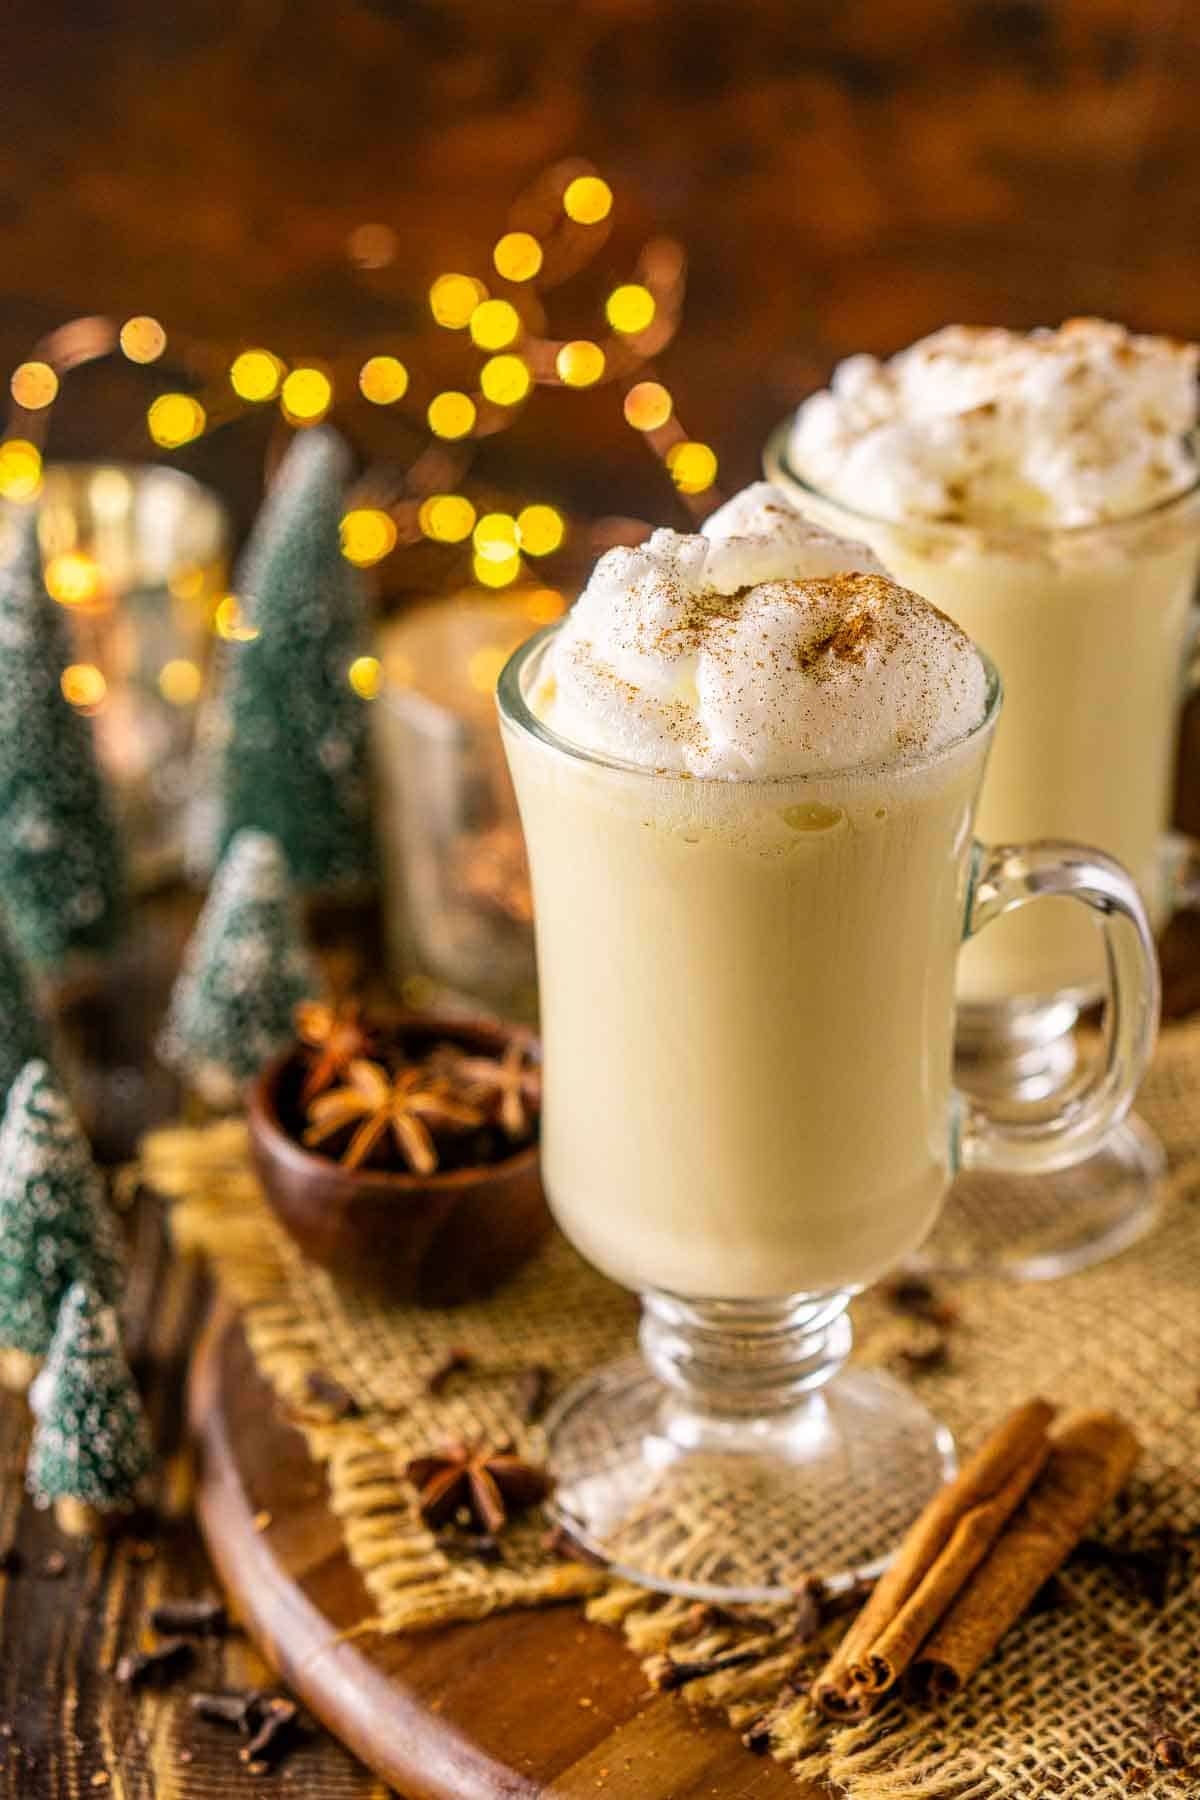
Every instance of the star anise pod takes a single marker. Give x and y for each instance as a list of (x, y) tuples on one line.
[(406, 1105), (334, 1037), (488, 1485), (509, 1084)]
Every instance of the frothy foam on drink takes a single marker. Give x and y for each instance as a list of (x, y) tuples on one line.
[(766, 647), (1073, 426)]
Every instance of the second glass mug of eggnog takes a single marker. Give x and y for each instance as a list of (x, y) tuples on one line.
[(1089, 625), (747, 1000)]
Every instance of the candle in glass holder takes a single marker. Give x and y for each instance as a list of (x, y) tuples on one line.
[(137, 555), (456, 882)]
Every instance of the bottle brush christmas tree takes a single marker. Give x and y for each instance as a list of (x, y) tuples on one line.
[(295, 755), (55, 1224), (22, 1033), (91, 1445), (60, 866), (244, 971)]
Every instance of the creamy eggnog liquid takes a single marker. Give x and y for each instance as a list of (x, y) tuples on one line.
[(1091, 655), (747, 976), (1024, 484)]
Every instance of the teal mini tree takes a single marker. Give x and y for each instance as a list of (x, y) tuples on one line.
[(22, 1033), (91, 1445), (244, 971), (60, 866), (295, 755), (55, 1224)]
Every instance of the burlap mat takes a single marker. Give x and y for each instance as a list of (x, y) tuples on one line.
[(1061, 1707)]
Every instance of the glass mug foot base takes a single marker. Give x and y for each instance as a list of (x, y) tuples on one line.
[(1038, 1227), (731, 1509)]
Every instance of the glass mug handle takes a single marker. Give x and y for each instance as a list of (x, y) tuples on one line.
[(1007, 876), (1179, 862)]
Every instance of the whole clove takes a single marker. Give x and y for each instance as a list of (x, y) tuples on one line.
[(222, 1709), (275, 1736), (709, 1615), (534, 1392), (157, 1667), (190, 1618), (913, 1295), (456, 1361), (669, 1676), (328, 1393), (757, 1735), (1146, 1570), (1167, 1748)]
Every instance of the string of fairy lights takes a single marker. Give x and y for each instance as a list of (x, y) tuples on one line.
[(559, 225)]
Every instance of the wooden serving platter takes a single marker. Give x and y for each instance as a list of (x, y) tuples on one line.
[(525, 1704)]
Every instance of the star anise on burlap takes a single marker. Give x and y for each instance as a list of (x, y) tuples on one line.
[(334, 1037), (487, 1485), (509, 1084), (410, 1106)]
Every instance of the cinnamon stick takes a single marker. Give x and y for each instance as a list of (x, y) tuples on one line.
[(1088, 1464), (948, 1541)]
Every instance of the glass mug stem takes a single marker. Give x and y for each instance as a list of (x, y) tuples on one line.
[(1007, 877)]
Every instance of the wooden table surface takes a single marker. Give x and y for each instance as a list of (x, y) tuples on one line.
[(68, 1731)]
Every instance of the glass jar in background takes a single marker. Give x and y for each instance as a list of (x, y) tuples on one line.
[(457, 907), (137, 555)]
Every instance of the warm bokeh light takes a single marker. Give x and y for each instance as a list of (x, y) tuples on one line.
[(518, 256), (484, 666), (72, 578), (229, 624), (364, 675), (447, 518), (186, 581), (451, 415), (372, 246), (20, 469), (143, 339), (255, 375), (367, 535), (83, 685), (587, 200), (175, 419), (630, 308), (491, 573), (494, 324), (33, 385), (383, 379), (505, 379), (648, 405), (110, 492), (544, 605), (540, 529), (307, 396), (180, 681), (453, 298), (496, 537), (580, 363), (693, 466)]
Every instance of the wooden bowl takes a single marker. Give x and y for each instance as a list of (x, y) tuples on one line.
[(431, 1239)]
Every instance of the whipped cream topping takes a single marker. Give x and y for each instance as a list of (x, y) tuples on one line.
[(784, 651), (975, 425)]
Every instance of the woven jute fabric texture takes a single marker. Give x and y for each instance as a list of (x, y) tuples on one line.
[(1061, 1706)]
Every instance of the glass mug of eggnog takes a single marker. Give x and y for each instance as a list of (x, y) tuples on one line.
[(1042, 489), (747, 773)]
